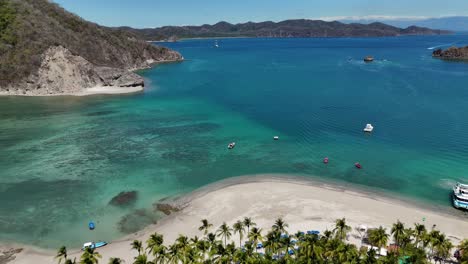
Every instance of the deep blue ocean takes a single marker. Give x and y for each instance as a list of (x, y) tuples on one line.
[(63, 158)]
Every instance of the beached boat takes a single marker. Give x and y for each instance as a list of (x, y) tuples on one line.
[(368, 128), (368, 59), (231, 145), (93, 245), (460, 196)]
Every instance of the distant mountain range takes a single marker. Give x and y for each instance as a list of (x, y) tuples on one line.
[(287, 28), (455, 23)]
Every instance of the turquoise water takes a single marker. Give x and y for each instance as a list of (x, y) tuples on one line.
[(63, 158)]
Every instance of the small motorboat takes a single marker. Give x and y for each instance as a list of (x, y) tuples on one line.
[(216, 45), (91, 225), (276, 138), (93, 245), (357, 165), (368, 59), (368, 128), (231, 145), (325, 160)]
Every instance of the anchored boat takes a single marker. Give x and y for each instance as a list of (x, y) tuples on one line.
[(231, 145), (460, 196), (368, 128), (93, 245)]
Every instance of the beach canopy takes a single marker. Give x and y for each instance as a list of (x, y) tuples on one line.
[(313, 232)]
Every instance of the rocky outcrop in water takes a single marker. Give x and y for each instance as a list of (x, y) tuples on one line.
[(124, 199), (452, 53), (136, 221), (167, 208)]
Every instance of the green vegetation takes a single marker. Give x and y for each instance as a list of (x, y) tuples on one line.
[(303, 28), (29, 27), (7, 23), (277, 246)]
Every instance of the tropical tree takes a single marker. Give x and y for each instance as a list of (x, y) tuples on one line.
[(255, 236), (116, 261), (156, 247), (90, 256), (419, 232), (378, 237), (310, 250), (224, 231), (142, 259), (61, 254), (280, 226), (463, 247), (137, 245), (239, 228), (397, 231), (69, 261), (205, 226), (341, 229), (248, 223)]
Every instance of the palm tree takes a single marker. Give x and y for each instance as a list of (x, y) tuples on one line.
[(310, 250), (69, 261), (378, 237), (142, 259), (137, 245), (239, 228), (90, 256), (341, 229), (419, 231), (205, 226), (116, 261), (61, 254), (463, 247), (255, 236), (397, 231), (156, 247), (280, 226), (174, 255), (224, 231), (248, 223)]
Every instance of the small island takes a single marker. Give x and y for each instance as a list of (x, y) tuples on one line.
[(452, 53)]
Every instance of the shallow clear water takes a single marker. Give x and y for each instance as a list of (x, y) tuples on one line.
[(63, 158)]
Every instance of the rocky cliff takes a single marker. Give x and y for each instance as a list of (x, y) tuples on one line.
[(45, 50), (452, 53)]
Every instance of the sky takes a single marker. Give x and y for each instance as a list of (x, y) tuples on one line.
[(156, 13)]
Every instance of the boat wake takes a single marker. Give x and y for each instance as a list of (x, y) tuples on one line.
[(440, 46)]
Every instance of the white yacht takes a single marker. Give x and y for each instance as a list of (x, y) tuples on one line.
[(460, 196), (368, 128)]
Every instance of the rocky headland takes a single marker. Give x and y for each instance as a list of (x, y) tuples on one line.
[(452, 53), (45, 50)]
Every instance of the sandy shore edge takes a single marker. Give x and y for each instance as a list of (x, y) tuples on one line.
[(305, 204)]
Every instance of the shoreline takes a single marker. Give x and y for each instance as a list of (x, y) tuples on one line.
[(101, 89), (304, 203)]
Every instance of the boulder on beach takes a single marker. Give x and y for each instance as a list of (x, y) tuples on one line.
[(124, 198)]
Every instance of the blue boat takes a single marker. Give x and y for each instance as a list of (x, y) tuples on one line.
[(91, 225), (93, 245)]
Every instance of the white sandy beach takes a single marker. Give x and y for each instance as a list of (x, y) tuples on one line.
[(304, 205), (109, 90)]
